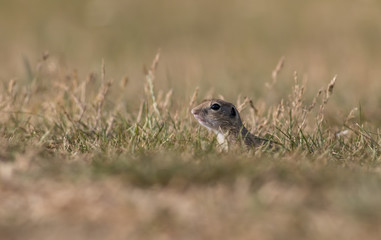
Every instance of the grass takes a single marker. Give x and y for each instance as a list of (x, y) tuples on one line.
[(112, 152), (81, 156)]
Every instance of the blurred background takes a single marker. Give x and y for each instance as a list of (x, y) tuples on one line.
[(231, 47)]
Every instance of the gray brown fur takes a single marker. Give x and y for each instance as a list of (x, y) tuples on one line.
[(226, 121)]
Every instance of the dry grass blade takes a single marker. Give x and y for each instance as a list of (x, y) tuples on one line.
[(103, 72), (100, 99), (150, 77), (247, 102), (351, 115), (155, 61), (193, 99), (241, 106), (167, 100), (275, 72), (328, 94), (330, 87)]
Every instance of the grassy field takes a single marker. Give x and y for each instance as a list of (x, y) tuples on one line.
[(97, 140)]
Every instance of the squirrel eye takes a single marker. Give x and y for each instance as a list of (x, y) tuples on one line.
[(215, 107)]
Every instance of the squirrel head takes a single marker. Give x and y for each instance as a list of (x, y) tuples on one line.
[(217, 115)]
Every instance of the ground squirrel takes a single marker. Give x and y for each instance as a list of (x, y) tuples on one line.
[(223, 118)]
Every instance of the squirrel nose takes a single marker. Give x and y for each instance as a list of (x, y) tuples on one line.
[(194, 111)]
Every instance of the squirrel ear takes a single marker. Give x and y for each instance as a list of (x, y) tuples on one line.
[(233, 113)]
